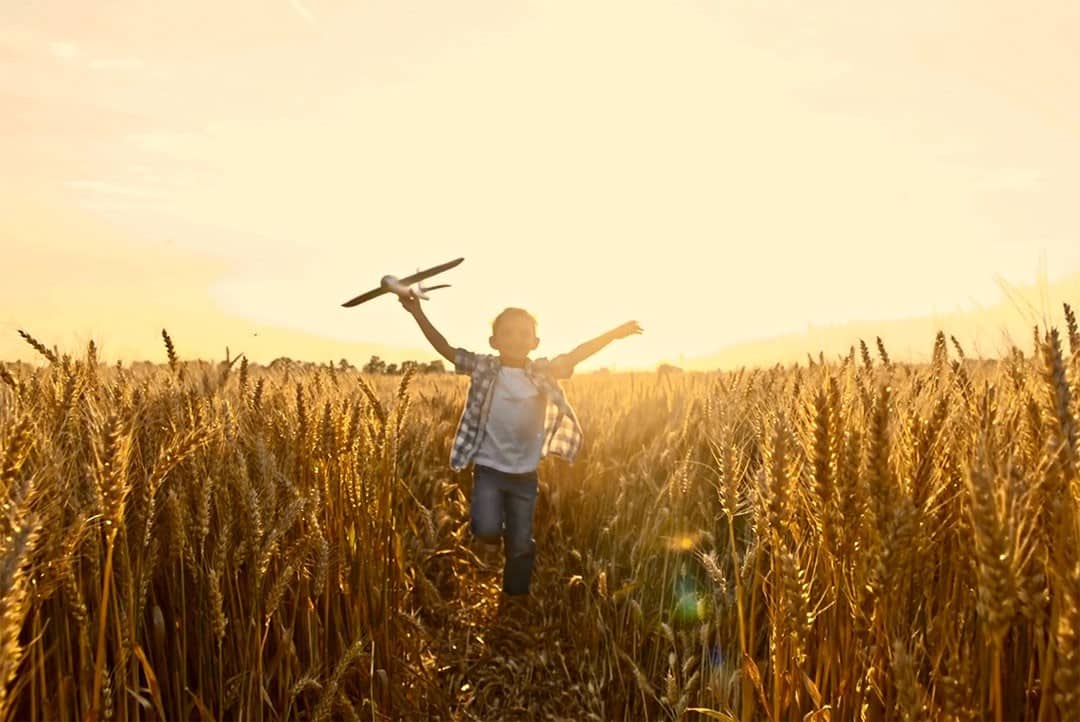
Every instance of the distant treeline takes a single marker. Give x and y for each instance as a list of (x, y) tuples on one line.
[(375, 365)]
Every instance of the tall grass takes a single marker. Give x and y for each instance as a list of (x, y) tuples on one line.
[(857, 539)]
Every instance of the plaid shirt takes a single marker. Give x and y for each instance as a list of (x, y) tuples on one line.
[(562, 433)]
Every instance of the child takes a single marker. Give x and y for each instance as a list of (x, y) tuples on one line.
[(515, 414)]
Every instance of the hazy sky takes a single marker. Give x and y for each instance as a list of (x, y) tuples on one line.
[(718, 170)]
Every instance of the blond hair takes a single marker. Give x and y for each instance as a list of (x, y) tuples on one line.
[(512, 312)]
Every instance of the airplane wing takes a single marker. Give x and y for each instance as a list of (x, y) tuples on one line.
[(420, 276), (365, 297)]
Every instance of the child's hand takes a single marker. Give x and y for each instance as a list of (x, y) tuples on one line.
[(410, 303), (627, 329)]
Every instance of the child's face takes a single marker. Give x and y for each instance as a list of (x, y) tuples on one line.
[(515, 337)]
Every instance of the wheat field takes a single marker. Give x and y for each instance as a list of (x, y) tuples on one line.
[(844, 539)]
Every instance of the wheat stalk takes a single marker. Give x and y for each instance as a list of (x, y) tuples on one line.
[(51, 356)]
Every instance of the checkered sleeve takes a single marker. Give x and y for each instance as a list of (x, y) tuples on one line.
[(464, 361)]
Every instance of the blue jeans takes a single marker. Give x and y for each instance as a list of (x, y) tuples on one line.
[(502, 505)]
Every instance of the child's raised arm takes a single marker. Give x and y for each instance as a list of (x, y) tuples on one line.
[(436, 339), (563, 364)]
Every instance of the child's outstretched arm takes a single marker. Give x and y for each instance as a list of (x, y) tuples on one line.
[(436, 339), (566, 362)]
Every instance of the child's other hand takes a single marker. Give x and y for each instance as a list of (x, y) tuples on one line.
[(627, 329), (410, 303)]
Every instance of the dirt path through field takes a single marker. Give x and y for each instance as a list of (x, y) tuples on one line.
[(505, 658)]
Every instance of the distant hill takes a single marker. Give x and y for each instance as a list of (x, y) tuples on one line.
[(982, 332)]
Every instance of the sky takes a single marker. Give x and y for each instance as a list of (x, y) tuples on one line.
[(720, 170)]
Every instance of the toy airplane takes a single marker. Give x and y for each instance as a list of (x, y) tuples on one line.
[(403, 286)]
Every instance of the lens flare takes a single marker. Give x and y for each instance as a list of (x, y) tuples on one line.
[(690, 604), (684, 542)]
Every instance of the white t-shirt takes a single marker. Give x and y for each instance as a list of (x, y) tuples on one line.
[(514, 433)]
